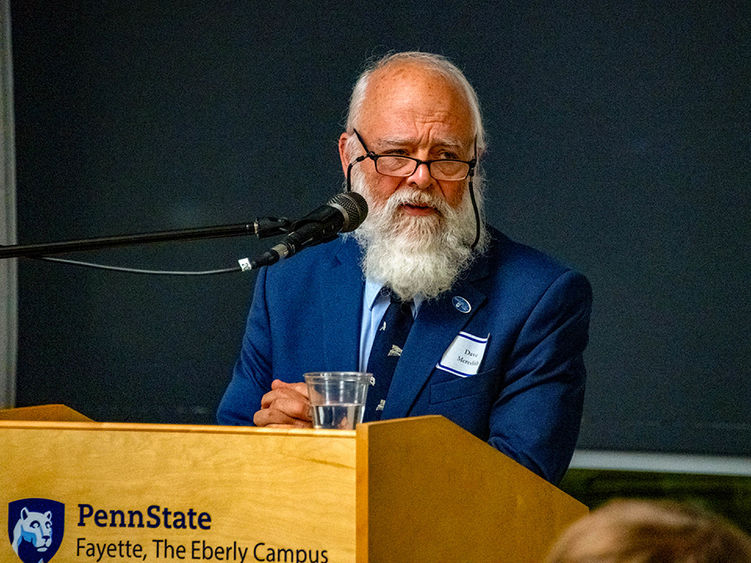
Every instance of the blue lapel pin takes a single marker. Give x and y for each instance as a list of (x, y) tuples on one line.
[(461, 304)]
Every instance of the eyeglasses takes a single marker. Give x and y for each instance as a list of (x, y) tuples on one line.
[(402, 166), (447, 169)]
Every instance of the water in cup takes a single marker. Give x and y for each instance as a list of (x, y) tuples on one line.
[(341, 416)]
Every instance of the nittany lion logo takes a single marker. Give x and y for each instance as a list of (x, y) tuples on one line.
[(35, 527)]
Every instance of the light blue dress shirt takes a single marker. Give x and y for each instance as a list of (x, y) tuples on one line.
[(374, 305)]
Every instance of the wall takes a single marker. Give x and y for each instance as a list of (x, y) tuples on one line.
[(8, 283), (618, 142)]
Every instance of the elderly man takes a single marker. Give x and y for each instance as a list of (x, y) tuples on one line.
[(494, 331)]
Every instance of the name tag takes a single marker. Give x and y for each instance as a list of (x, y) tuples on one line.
[(464, 356)]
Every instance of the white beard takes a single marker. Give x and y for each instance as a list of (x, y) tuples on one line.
[(416, 255)]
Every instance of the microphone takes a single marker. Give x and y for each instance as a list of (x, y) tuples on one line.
[(343, 213)]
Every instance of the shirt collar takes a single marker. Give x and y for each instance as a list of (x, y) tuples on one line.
[(373, 292)]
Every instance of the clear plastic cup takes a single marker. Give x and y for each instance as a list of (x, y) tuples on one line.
[(337, 398)]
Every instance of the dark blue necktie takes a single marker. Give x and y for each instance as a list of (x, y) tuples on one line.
[(385, 353)]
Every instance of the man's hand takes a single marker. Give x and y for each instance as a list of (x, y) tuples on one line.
[(285, 405)]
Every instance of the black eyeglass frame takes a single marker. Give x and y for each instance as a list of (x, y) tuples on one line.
[(375, 156)]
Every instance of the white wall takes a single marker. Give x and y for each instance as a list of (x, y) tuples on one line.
[(8, 286)]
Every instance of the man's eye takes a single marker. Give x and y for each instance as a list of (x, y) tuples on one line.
[(446, 154)]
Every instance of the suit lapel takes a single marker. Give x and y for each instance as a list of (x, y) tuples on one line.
[(340, 291), (437, 324)]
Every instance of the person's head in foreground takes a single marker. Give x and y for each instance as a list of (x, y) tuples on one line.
[(643, 531)]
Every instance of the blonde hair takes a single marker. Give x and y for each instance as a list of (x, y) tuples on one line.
[(642, 531)]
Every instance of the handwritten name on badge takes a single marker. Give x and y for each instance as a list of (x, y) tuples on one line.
[(464, 356)]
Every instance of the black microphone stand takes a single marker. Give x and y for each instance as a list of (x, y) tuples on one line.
[(263, 227)]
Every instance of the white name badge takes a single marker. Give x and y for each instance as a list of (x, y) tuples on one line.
[(464, 356)]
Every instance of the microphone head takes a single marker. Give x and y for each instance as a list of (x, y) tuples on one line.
[(353, 207)]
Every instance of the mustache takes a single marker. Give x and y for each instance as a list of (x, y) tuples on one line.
[(417, 198)]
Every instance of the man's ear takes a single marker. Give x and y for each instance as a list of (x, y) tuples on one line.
[(343, 156)]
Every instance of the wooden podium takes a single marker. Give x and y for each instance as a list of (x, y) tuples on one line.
[(407, 490)]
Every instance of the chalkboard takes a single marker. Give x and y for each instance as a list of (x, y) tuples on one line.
[(619, 142)]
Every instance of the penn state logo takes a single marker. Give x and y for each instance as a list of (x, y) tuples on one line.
[(35, 528)]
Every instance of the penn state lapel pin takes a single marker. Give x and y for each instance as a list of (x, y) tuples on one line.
[(461, 304)]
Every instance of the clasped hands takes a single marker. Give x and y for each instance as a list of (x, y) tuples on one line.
[(286, 405)]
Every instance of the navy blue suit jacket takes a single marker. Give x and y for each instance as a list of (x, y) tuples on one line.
[(526, 399)]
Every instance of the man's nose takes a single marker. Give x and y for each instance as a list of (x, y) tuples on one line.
[(421, 177)]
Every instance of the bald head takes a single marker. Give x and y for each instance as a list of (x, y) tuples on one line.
[(407, 106), (402, 75)]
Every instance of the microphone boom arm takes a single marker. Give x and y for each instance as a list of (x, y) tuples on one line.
[(262, 227)]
